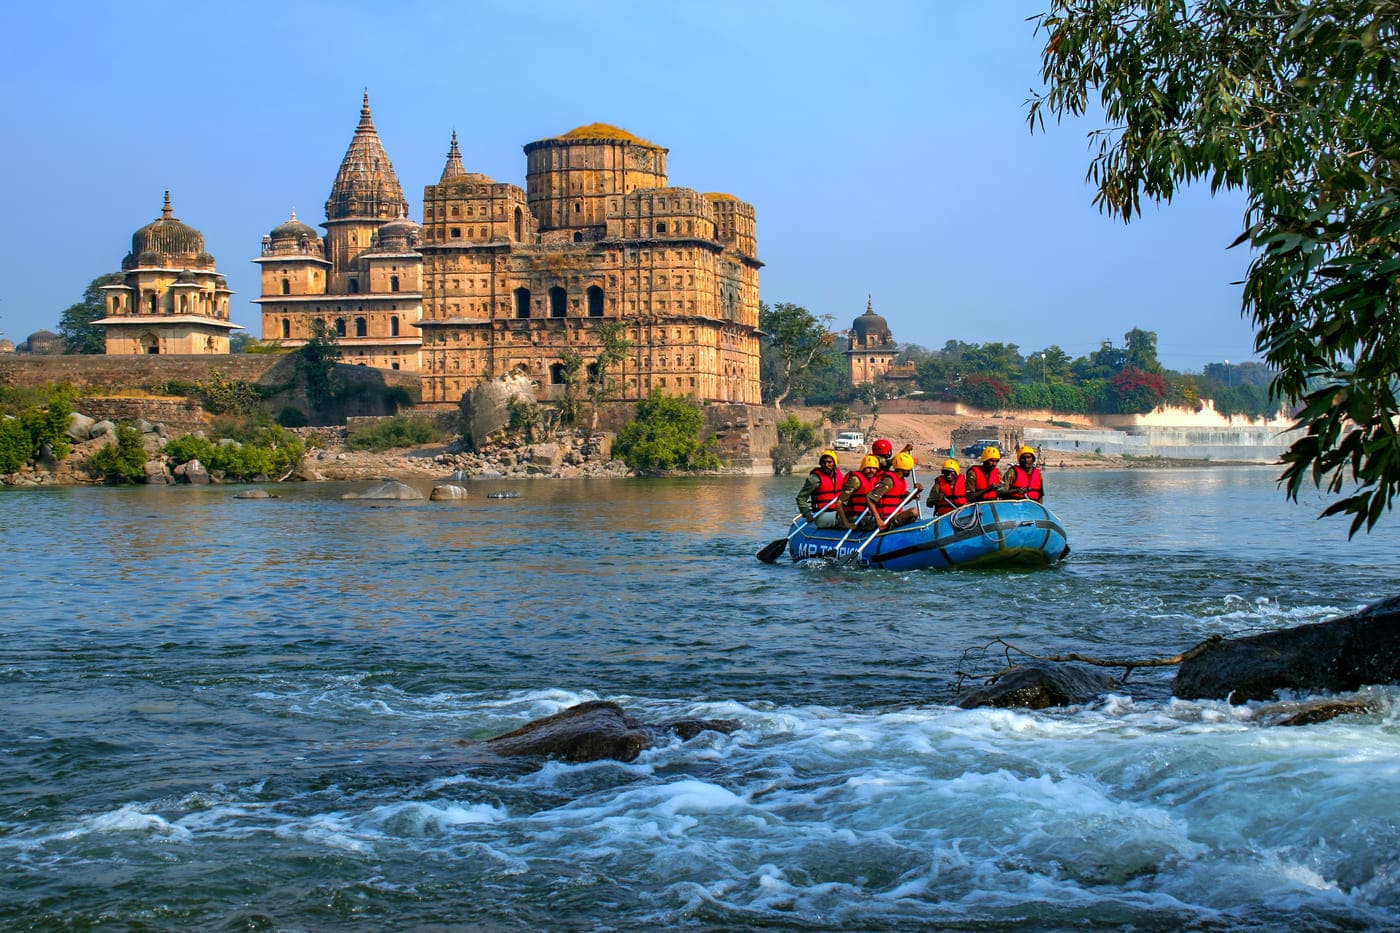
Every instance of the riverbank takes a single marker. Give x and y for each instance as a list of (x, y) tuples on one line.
[(575, 455)]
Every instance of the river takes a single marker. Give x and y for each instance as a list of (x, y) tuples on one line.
[(238, 715)]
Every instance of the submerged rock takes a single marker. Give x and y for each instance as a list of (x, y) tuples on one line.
[(1311, 712), (389, 489), (1041, 684), (447, 492), (255, 494), (1339, 655), (595, 730)]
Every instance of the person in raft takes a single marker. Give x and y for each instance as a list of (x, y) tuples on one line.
[(984, 479), (851, 504), (883, 449), (822, 487), (891, 489), (949, 490), (1023, 481)]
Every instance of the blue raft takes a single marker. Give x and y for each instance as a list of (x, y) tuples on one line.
[(1001, 533)]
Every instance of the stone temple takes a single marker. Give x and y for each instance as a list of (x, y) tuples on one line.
[(171, 298), (500, 279)]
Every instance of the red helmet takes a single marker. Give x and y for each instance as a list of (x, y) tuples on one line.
[(882, 448)]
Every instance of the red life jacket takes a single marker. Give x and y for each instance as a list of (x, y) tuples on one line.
[(982, 486), (829, 489), (889, 502), (954, 494), (1026, 485), (858, 498)]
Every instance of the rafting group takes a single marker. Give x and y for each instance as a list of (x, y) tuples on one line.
[(872, 514)]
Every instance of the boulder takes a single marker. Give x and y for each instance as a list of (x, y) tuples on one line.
[(156, 474), (595, 730), (547, 457), (388, 489), (447, 492), (1339, 656), (79, 427), (1041, 684), (255, 494), (194, 473), (486, 407), (102, 428)]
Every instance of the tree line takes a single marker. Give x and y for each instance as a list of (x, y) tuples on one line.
[(801, 358)]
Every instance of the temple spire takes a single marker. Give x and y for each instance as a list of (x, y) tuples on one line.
[(165, 213), (454, 161), (869, 304), (366, 186)]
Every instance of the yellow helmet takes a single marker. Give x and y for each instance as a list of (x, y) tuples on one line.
[(903, 460), (991, 453), (870, 460), (831, 454), (1025, 449), (951, 464)]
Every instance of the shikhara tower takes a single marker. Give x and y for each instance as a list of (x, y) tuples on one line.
[(362, 279)]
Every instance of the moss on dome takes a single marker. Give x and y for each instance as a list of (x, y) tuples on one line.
[(719, 196), (606, 131)]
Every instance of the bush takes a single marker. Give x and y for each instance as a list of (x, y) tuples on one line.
[(398, 431), (292, 417), (121, 462), (220, 395), (271, 451), (665, 436), (42, 418), (16, 446)]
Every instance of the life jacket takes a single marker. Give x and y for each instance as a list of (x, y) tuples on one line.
[(889, 502), (1026, 485), (954, 494), (862, 490), (829, 489), (982, 486)]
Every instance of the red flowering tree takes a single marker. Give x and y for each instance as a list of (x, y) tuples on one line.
[(1134, 392)]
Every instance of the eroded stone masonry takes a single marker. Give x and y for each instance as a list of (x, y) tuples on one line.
[(500, 279)]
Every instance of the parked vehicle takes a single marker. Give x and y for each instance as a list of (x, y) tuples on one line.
[(849, 440), (976, 447)]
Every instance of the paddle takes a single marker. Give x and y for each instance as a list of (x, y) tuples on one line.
[(842, 561), (774, 549), (836, 550)]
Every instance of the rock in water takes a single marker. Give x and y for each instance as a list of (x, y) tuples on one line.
[(595, 730), (255, 494), (1339, 655), (1039, 685), (389, 489), (447, 492)]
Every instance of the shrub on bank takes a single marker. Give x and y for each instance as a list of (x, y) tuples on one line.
[(665, 436), (398, 431), (121, 462), (271, 452)]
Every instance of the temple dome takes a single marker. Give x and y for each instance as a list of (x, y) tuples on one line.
[(292, 229), (167, 242), (870, 327)]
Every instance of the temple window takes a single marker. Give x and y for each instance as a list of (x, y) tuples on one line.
[(522, 302), (558, 302), (340, 327), (393, 327), (286, 286), (595, 301), (286, 328), (354, 286), (360, 327), (393, 283)]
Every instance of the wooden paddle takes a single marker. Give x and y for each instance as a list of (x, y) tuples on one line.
[(774, 549), (842, 561)]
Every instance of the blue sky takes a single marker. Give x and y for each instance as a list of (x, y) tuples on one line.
[(883, 145)]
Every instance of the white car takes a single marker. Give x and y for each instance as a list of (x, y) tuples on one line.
[(849, 440)]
